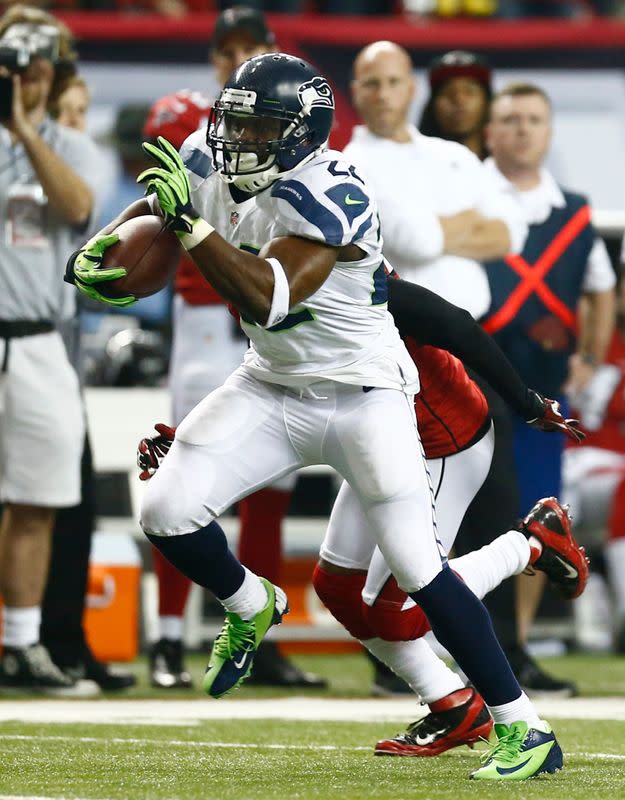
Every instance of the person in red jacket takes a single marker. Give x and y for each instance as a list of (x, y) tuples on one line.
[(200, 316)]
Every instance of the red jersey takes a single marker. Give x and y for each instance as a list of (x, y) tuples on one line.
[(611, 434), (176, 117), (451, 409)]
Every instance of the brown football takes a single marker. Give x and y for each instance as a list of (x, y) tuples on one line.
[(150, 253)]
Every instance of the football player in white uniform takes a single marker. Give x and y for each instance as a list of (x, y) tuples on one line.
[(326, 379)]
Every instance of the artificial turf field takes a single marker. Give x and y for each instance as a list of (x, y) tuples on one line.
[(168, 753)]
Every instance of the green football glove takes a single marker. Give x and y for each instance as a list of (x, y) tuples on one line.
[(84, 271), (170, 182)]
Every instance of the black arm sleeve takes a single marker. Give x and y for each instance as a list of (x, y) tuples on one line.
[(430, 320)]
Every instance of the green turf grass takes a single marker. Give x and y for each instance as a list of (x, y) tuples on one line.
[(100, 761), (350, 676)]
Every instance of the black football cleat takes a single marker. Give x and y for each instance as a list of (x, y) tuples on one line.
[(167, 669), (534, 681), (271, 668), (459, 718), (31, 670)]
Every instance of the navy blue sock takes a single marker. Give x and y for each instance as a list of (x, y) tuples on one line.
[(204, 557), (462, 625)]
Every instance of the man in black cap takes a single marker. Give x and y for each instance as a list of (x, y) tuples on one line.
[(460, 84), (240, 33)]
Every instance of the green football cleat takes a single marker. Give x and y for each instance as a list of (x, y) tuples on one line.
[(234, 649), (519, 753)]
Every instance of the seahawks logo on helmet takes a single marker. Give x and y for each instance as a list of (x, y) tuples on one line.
[(315, 93)]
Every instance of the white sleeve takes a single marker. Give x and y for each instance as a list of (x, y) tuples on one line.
[(497, 200), (599, 275), (623, 250)]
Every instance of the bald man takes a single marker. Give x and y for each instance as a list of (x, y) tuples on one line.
[(442, 213)]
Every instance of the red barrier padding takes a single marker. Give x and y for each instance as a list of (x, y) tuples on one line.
[(357, 31)]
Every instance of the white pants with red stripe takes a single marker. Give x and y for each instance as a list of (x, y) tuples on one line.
[(455, 480), (248, 433)]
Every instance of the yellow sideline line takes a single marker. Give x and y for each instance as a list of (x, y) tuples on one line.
[(251, 746)]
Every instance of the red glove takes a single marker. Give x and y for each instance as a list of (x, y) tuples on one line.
[(153, 449), (552, 420)]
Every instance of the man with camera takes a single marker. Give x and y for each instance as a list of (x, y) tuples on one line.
[(47, 190)]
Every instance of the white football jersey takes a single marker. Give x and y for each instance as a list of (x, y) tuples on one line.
[(342, 332)]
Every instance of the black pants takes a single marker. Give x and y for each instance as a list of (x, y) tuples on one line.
[(64, 600), (493, 512)]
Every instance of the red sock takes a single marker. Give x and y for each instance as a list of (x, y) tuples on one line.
[(388, 619), (260, 537), (173, 587), (342, 596)]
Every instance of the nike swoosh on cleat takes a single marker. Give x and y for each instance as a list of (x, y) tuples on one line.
[(509, 770), (423, 740), (351, 202), (571, 572), (240, 664)]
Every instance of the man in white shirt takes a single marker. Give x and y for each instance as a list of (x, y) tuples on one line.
[(441, 211), (535, 296)]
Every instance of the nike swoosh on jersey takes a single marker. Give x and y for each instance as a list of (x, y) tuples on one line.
[(351, 202), (509, 770), (571, 572)]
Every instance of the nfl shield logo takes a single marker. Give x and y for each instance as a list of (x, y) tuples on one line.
[(234, 218)]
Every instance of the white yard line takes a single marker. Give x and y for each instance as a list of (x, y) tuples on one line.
[(122, 740), (190, 712)]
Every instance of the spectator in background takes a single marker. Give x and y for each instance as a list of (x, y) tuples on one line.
[(593, 475), (538, 326), (48, 197), (62, 630), (207, 347), (441, 211), (496, 506), (70, 103), (460, 94)]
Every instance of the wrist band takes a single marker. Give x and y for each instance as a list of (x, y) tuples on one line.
[(200, 230), (281, 294)]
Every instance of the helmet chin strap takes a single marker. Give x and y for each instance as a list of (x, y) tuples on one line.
[(260, 180)]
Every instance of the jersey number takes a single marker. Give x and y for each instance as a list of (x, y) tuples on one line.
[(333, 170)]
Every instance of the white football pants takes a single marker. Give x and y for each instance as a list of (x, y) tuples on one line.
[(248, 433), (456, 480), (206, 349)]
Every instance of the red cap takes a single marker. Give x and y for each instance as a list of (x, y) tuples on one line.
[(177, 116)]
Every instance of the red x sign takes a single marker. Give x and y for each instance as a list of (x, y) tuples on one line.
[(532, 277)]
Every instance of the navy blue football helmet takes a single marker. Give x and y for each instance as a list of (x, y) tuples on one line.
[(274, 113)]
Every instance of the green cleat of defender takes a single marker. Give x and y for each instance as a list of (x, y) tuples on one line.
[(519, 753), (234, 649)]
